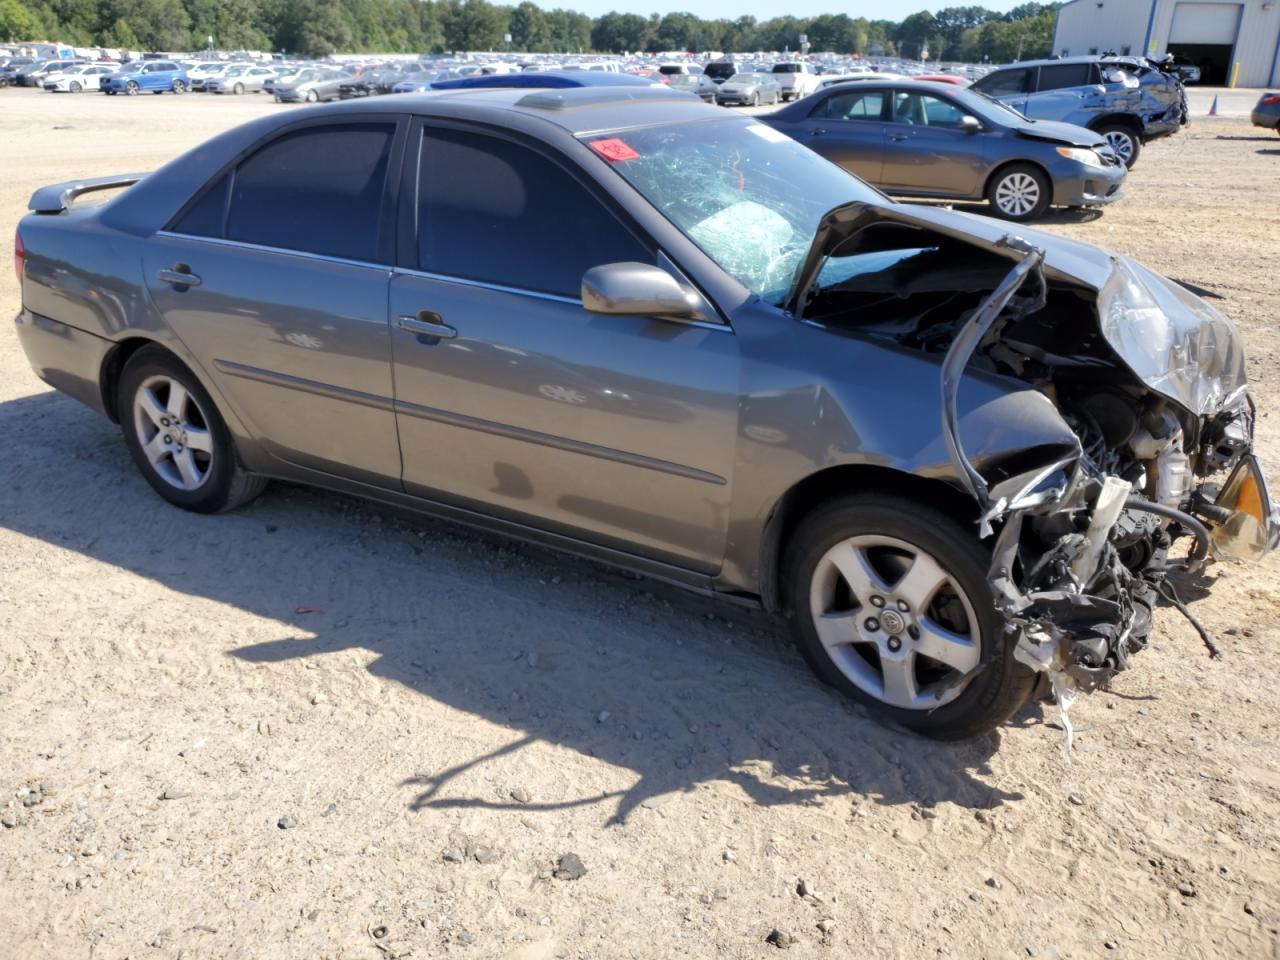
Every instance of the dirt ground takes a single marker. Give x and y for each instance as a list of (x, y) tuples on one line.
[(317, 728)]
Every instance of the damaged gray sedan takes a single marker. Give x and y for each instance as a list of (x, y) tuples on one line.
[(956, 459)]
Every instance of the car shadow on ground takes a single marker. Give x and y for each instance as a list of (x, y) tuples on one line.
[(1270, 153), (680, 690)]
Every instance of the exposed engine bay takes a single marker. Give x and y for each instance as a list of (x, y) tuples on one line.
[(1083, 540)]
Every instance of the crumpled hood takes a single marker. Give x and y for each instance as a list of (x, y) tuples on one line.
[(1056, 132), (1064, 259)]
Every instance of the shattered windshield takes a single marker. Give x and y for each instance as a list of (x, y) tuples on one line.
[(750, 197)]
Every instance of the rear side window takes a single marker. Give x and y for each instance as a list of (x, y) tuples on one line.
[(317, 190), (860, 105), (1059, 76), (786, 68), (1004, 83), (206, 218), (495, 211)]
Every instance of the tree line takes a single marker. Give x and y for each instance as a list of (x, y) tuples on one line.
[(318, 28)]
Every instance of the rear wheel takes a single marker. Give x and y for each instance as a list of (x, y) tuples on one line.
[(177, 437), (889, 602), (1020, 192), (179, 87), (1123, 142)]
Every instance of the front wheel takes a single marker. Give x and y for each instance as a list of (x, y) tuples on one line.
[(131, 88), (1123, 142), (1020, 192), (889, 602), (177, 437), (238, 89), (312, 96)]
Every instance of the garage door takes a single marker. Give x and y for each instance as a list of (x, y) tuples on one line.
[(1205, 23)]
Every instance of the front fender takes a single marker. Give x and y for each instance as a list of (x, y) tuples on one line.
[(817, 397)]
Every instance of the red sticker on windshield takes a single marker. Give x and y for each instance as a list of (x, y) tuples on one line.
[(613, 150)]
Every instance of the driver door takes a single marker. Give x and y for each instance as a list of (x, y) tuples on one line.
[(511, 398)]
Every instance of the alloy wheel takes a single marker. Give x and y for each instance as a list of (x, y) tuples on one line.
[(894, 621), (131, 88), (1017, 194), (173, 432), (1121, 145)]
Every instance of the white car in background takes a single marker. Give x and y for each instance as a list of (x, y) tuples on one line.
[(75, 79), (796, 77), (206, 72)]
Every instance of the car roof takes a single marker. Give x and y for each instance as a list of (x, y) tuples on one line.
[(577, 110)]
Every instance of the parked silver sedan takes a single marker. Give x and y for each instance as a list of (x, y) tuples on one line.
[(310, 85), (749, 90), (243, 78)]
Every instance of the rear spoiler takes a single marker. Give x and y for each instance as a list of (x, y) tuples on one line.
[(60, 196)]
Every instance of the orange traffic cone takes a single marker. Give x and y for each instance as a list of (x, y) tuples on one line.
[(1213, 110)]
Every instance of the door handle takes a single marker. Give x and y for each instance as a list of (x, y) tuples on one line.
[(427, 324), (180, 276), (898, 137), (819, 131)]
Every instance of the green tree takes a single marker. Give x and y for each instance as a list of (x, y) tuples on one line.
[(473, 25), (620, 33), (528, 28), (17, 22)]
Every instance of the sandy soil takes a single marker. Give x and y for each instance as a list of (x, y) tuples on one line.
[(273, 733)]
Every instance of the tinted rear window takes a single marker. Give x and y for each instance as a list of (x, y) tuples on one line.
[(1004, 83), (1062, 75), (786, 68), (318, 190)]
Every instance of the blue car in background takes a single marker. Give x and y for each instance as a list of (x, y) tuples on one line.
[(154, 75), (421, 82), (1129, 100)]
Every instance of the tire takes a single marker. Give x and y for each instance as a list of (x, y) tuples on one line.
[(890, 534), (312, 96), (179, 87), (1126, 144), (1020, 192), (131, 88), (755, 99), (238, 89), (75, 86), (204, 475)]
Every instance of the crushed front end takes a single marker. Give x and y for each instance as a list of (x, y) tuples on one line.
[(1084, 545)]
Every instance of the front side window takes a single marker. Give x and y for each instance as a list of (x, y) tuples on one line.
[(923, 110), (498, 212), (854, 105), (317, 190)]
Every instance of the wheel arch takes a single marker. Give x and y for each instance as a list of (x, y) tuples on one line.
[(819, 488), (1127, 120), (1017, 162)]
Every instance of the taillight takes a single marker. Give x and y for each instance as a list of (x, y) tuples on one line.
[(1271, 100), (19, 256)]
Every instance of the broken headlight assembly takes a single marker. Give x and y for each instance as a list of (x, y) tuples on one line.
[(1177, 344), (1249, 526)]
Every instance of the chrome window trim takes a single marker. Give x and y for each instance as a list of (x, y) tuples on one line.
[(405, 271), (306, 254)]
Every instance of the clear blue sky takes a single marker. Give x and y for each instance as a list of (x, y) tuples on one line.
[(765, 9)]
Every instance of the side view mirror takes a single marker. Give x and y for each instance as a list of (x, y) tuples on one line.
[(970, 124), (636, 290)]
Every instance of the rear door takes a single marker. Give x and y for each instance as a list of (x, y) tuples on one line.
[(614, 430), (847, 127), (1069, 92), (926, 150), (275, 278)]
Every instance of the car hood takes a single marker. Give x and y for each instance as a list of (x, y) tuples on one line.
[(1056, 132), (1064, 259)]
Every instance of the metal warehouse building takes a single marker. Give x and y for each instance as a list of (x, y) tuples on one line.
[(1232, 42)]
